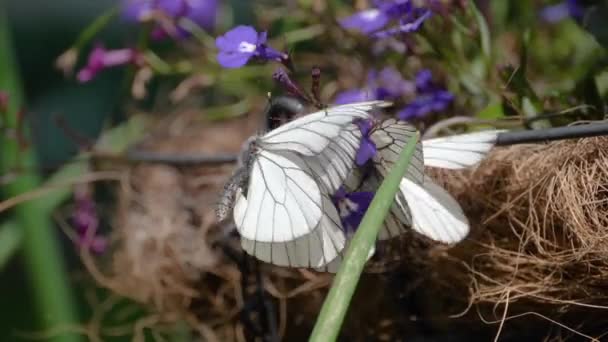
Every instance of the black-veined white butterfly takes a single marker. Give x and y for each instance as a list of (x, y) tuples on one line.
[(420, 204), (284, 209)]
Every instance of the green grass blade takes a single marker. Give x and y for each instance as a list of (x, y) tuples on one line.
[(42, 255), (336, 304), (10, 241)]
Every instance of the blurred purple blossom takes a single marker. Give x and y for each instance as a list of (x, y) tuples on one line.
[(351, 207), (86, 221), (408, 14), (411, 23), (563, 10), (425, 104), (429, 98), (387, 84), (366, 21), (201, 12), (367, 148), (352, 96), (100, 59), (237, 46)]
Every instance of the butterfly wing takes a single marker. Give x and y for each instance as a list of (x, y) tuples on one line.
[(314, 250), (458, 151), (312, 133), (435, 213), (390, 139), (283, 201)]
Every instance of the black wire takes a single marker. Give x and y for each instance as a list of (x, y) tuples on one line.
[(136, 155), (549, 134)]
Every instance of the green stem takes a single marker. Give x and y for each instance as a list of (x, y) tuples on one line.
[(10, 241), (336, 304), (41, 250), (93, 28)]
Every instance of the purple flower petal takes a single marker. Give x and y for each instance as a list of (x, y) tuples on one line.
[(367, 149), (232, 39), (203, 12), (353, 96), (137, 10), (389, 84), (173, 8), (425, 104), (366, 21), (405, 26), (236, 46), (232, 60), (265, 52), (351, 207), (555, 13), (563, 10), (241, 43), (424, 79)]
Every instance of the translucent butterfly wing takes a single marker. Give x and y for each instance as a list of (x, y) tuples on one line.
[(315, 250), (435, 213), (312, 133), (390, 139), (335, 163), (283, 201), (459, 151)]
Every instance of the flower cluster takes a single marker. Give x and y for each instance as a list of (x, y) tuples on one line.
[(100, 59), (242, 43), (168, 13), (430, 98), (407, 15), (563, 10), (388, 84)]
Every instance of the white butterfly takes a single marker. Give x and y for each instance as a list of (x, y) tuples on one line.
[(283, 210), (420, 203)]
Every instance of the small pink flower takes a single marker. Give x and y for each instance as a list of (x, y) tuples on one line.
[(100, 59)]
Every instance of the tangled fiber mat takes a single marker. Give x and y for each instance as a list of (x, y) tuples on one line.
[(538, 248)]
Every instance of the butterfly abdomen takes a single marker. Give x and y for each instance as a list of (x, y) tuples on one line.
[(226, 202)]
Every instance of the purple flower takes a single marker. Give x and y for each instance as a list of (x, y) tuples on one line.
[(237, 46), (366, 21), (406, 13), (424, 80), (167, 13), (388, 84), (367, 148), (353, 96), (411, 23), (351, 207), (563, 10), (429, 98), (100, 59), (86, 221), (425, 104)]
